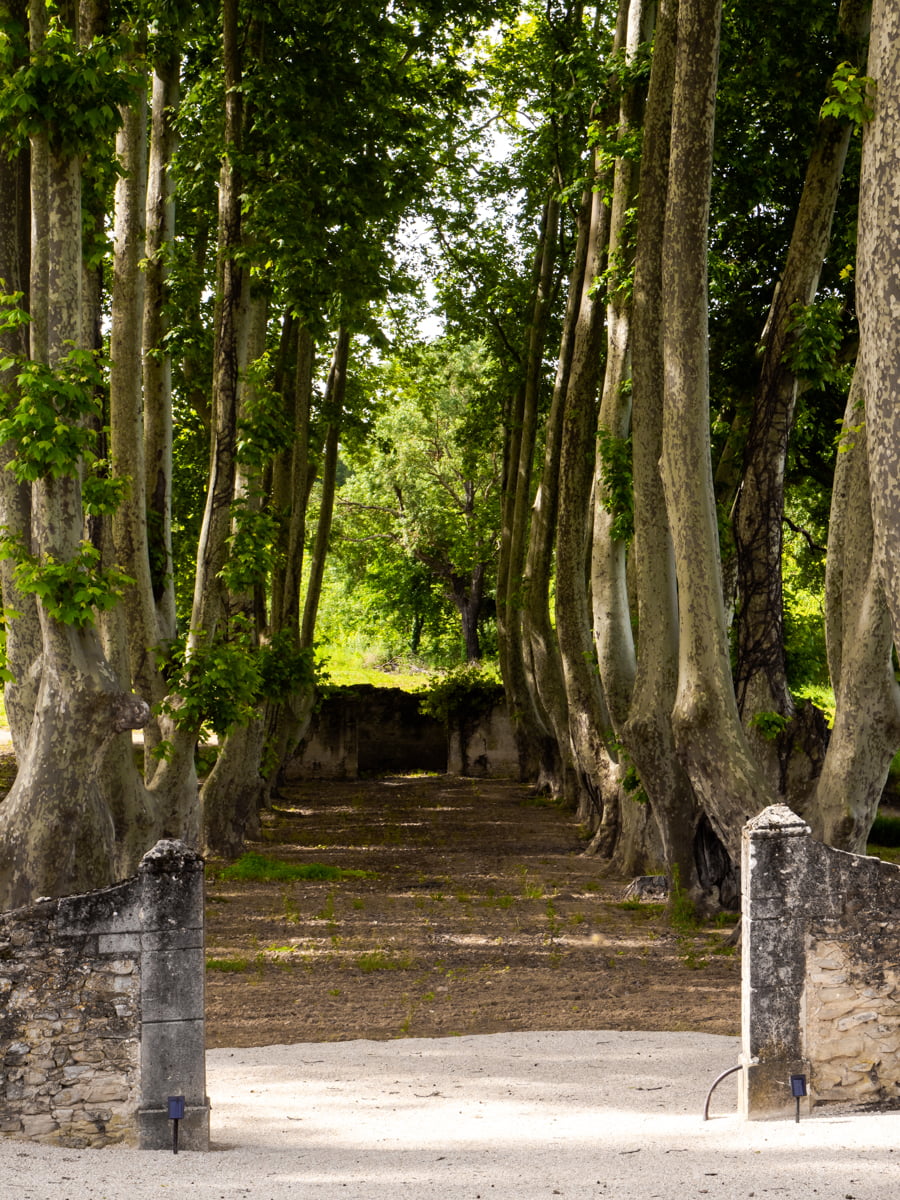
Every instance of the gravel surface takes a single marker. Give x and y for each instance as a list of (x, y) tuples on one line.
[(512, 1116)]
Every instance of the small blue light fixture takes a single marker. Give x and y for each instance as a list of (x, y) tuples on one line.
[(176, 1114), (798, 1090)]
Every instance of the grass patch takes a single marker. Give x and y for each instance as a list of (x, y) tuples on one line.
[(256, 868), (235, 966), (682, 910), (530, 890), (885, 831), (725, 920), (381, 960), (887, 853)]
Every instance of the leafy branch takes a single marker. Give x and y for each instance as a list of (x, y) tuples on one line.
[(69, 591)]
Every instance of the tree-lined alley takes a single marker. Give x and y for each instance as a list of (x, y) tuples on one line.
[(617, 462)]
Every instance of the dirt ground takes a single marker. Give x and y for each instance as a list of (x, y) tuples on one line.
[(478, 915)]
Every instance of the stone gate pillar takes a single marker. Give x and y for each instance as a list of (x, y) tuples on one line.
[(776, 883), (173, 1046)]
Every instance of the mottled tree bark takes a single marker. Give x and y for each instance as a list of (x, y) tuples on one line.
[(647, 733), (80, 704), (210, 599), (538, 751), (335, 394), (761, 676), (866, 730), (878, 286), (708, 736), (590, 727), (157, 366), (23, 639)]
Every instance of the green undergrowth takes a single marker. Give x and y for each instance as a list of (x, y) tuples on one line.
[(257, 868), (382, 960), (885, 831), (887, 853), (230, 966)]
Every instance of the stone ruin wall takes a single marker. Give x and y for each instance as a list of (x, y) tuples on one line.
[(101, 1011), (68, 1030), (821, 970), (363, 729), (853, 1013)]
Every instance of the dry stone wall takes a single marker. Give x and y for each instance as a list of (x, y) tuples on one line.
[(363, 729), (101, 1010), (821, 970)]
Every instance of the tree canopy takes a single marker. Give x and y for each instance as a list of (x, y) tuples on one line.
[(651, 241)]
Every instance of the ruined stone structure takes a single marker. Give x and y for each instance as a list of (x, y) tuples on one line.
[(367, 729), (821, 970), (101, 1011)]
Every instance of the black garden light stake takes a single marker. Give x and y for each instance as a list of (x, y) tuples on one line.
[(798, 1089), (176, 1114)]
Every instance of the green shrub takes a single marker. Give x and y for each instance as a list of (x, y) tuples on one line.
[(463, 694), (256, 868)]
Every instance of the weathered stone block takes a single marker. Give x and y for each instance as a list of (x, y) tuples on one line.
[(172, 984), (75, 1036), (821, 967)]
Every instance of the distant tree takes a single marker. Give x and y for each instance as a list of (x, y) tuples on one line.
[(424, 493)]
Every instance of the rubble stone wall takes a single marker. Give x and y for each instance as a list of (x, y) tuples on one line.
[(101, 1011), (363, 729), (821, 970)]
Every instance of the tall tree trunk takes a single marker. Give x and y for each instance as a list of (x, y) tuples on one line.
[(231, 795), (287, 718), (708, 736), (210, 600), (80, 704), (878, 283), (647, 733), (542, 661), (866, 730), (538, 751), (335, 395), (609, 547), (590, 727), (761, 676), (23, 635), (157, 365)]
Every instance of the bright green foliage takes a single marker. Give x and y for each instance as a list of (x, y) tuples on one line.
[(421, 506), (264, 429), (216, 686), (615, 460), (6, 615), (221, 682), (252, 548), (51, 418), (769, 724), (102, 492), (47, 414), (284, 669), (70, 92), (71, 591), (850, 95), (817, 336), (463, 694)]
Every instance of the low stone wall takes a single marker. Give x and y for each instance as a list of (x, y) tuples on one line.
[(379, 730), (102, 1011), (821, 970), (484, 747)]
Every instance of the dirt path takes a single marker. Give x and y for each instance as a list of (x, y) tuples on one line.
[(480, 916)]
